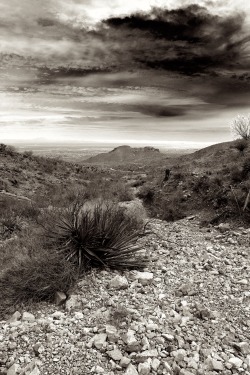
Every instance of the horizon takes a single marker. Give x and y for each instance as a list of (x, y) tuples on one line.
[(174, 73)]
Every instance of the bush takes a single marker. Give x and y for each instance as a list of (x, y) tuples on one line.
[(241, 126), (92, 234), (34, 279), (246, 169), (241, 145)]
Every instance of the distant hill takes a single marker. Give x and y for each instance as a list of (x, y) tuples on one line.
[(123, 154)]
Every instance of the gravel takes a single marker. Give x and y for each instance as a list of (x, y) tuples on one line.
[(188, 313)]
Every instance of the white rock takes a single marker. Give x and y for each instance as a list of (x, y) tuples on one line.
[(15, 317), (115, 354), (155, 364), (112, 333), (144, 278), (60, 297), (28, 317), (144, 368), (236, 362), (130, 339), (13, 370), (131, 370), (79, 315), (71, 303), (35, 371), (168, 337), (118, 282), (125, 361), (100, 340)]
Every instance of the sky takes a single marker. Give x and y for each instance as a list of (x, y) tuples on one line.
[(170, 72)]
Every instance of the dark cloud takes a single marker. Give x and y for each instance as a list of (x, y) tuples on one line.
[(189, 40)]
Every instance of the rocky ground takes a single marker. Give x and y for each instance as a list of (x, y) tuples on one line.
[(188, 313)]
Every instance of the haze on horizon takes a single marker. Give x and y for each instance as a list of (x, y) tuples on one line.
[(171, 73)]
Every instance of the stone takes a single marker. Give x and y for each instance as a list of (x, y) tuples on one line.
[(145, 278), (243, 347), (35, 371), (131, 370), (112, 333), (143, 356), (214, 365), (168, 337), (71, 303), (28, 317), (224, 227), (179, 355), (15, 317), (130, 340), (100, 340), (60, 298), (13, 370), (125, 361), (155, 364), (115, 354), (235, 362), (79, 315), (99, 370), (144, 368), (118, 282)]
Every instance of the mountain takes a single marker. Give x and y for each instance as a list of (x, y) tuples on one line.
[(123, 154)]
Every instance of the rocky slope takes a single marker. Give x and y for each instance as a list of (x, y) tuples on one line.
[(188, 313)]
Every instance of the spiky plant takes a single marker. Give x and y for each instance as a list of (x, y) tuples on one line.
[(95, 234)]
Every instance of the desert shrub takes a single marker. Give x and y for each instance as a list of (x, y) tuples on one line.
[(241, 126), (241, 145), (7, 150), (236, 174), (34, 279), (92, 234), (246, 169), (201, 184), (147, 193), (27, 154)]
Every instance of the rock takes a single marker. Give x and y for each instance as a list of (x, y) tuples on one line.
[(118, 282), (145, 278), (179, 355), (15, 317), (125, 361), (155, 364), (79, 315), (243, 347), (168, 337), (72, 302), (143, 356), (28, 317), (235, 362), (115, 354), (13, 370), (60, 297), (112, 333), (131, 370), (186, 289), (100, 340), (99, 370), (223, 227), (35, 371), (214, 365), (130, 339), (144, 368)]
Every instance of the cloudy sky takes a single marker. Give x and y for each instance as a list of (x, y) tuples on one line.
[(155, 72)]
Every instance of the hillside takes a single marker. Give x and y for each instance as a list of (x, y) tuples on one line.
[(127, 154)]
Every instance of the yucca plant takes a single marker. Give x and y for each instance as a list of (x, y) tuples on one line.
[(95, 234)]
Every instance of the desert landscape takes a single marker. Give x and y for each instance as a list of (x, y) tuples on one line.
[(109, 267), (124, 187)]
